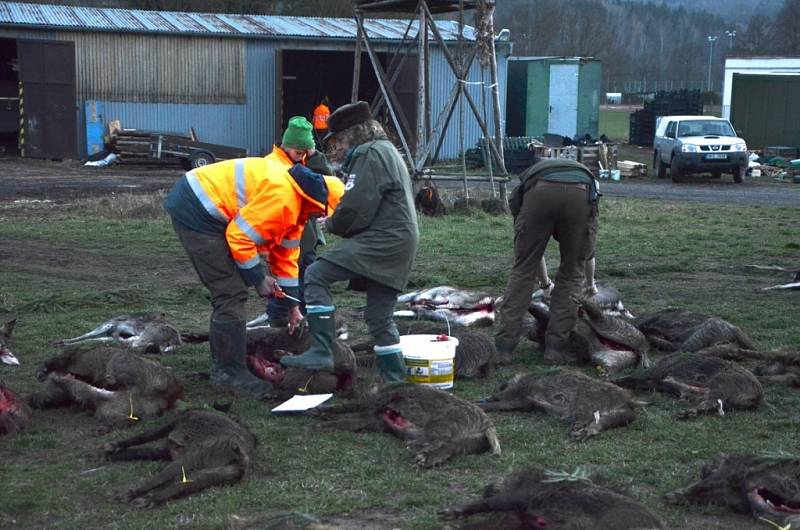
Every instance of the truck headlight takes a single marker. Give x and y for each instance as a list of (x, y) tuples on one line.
[(740, 147), (690, 148)]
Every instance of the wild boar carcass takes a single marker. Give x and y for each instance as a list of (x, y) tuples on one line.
[(145, 334), (533, 498), (591, 406), (459, 307), (6, 357), (765, 486), (118, 385), (676, 330), (204, 448), (14, 412), (709, 384), (436, 425)]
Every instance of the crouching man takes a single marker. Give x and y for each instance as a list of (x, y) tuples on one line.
[(377, 220)]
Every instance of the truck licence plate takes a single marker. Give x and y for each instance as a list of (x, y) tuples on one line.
[(716, 156)]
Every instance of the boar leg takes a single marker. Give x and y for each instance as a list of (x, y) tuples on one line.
[(197, 481), (707, 406), (52, 396), (788, 379), (148, 436), (581, 430), (683, 389), (355, 423), (82, 393), (100, 331), (506, 404), (498, 503)]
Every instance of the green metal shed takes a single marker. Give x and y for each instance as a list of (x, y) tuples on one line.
[(765, 109), (558, 95)]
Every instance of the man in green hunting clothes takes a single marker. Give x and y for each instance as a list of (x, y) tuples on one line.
[(377, 220), (555, 198)]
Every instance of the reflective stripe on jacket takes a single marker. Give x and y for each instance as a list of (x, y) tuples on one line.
[(264, 208), (320, 118)]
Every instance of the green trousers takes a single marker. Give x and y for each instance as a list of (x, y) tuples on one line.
[(549, 209)]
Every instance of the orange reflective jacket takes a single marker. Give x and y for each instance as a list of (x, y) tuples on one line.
[(320, 118), (264, 208)]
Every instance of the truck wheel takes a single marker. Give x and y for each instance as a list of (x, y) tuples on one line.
[(658, 165), (675, 172), (200, 159), (738, 174)]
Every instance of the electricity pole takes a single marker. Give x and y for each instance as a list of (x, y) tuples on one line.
[(731, 37)]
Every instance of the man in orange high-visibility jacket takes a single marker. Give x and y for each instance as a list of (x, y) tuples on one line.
[(225, 215), (320, 120)]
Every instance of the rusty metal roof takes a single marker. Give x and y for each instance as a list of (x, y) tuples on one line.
[(141, 21)]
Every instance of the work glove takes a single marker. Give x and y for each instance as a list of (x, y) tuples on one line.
[(278, 307)]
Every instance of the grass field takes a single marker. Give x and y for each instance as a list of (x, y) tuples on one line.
[(67, 268), (615, 123)]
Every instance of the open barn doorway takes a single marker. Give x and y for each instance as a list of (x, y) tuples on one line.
[(9, 97), (307, 76)]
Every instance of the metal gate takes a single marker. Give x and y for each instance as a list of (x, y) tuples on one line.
[(47, 74)]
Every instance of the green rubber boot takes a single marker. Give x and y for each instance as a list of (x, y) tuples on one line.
[(390, 363), (229, 370), (322, 326)]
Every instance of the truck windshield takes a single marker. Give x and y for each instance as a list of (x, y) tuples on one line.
[(705, 128)]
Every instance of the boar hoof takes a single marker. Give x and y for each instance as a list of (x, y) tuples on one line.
[(143, 502), (448, 514), (41, 374), (582, 431)]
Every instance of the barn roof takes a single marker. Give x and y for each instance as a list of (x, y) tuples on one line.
[(140, 21)]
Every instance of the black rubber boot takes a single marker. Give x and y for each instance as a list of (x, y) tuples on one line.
[(390, 363), (319, 356), (228, 365)]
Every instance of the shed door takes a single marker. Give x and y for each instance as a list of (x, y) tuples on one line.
[(563, 118), (406, 88), (47, 72)]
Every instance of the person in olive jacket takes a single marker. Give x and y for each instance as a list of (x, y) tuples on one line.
[(378, 223)]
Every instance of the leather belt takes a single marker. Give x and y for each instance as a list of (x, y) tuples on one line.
[(551, 183)]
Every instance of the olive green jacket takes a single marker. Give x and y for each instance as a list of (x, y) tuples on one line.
[(376, 217)]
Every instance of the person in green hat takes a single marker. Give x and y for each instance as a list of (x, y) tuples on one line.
[(298, 145)]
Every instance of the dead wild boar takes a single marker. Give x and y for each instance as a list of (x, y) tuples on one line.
[(607, 341), (591, 406), (204, 448), (118, 385), (14, 412), (459, 307), (767, 487), (532, 498), (436, 425), (145, 334), (709, 384), (287, 382), (6, 357), (676, 330)]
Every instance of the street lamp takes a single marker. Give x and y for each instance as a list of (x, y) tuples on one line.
[(710, 56), (731, 37)]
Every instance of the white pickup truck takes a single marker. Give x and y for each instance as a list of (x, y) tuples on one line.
[(698, 144)]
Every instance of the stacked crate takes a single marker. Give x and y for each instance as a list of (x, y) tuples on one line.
[(675, 103)]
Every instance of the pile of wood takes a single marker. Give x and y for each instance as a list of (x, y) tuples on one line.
[(130, 144), (629, 168)]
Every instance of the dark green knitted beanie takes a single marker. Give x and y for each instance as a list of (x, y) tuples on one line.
[(298, 134)]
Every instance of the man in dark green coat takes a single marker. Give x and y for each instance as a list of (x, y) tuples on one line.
[(378, 222), (555, 198)]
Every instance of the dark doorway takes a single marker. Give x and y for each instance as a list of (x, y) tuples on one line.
[(9, 97), (47, 72), (308, 76)]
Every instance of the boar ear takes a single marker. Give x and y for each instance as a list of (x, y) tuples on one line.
[(8, 327)]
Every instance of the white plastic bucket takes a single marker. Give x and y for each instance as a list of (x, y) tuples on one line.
[(429, 360)]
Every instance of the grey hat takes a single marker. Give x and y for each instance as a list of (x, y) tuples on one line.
[(346, 116)]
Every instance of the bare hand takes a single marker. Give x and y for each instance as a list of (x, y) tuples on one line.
[(321, 223), (267, 287), (295, 319)]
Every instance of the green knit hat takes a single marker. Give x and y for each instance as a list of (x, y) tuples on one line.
[(298, 134)]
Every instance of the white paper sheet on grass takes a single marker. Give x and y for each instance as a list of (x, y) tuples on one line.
[(301, 403)]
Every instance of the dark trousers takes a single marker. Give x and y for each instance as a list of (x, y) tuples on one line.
[(549, 209), (211, 259), (381, 299)]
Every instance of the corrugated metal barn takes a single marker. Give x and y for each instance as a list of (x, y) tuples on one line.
[(236, 79)]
